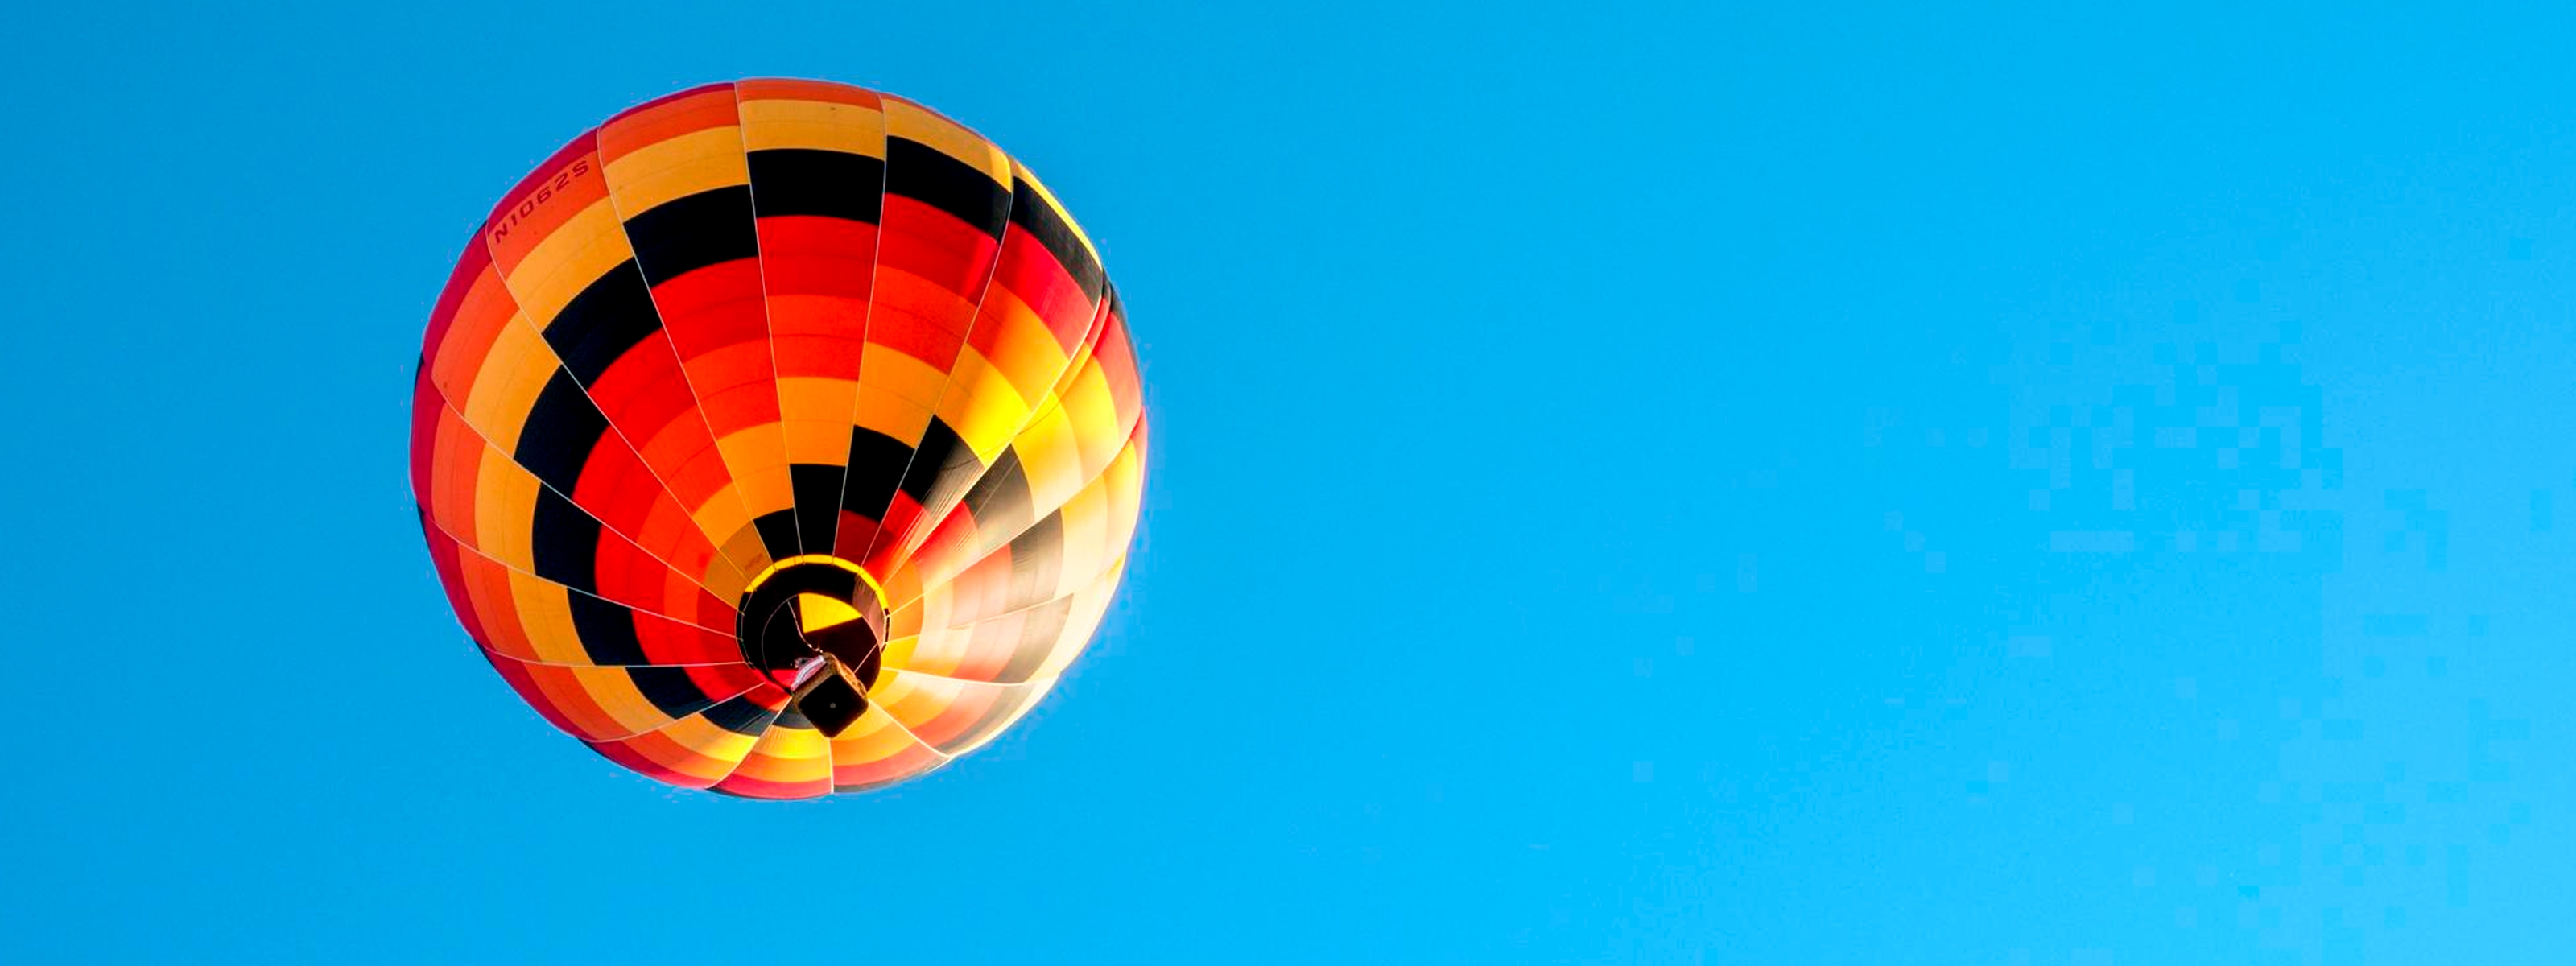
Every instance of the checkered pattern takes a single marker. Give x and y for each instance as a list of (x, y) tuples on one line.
[(756, 320)]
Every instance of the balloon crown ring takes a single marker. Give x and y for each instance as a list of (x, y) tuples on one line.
[(816, 625)]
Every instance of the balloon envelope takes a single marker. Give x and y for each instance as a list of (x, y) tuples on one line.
[(779, 437)]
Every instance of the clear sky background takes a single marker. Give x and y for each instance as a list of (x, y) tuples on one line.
[(1754, 483)]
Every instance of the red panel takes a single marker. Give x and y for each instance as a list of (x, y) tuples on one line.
[(628, 576), (914, 336), (668, 641), (484, 310), (644, 392), (667, 117), (700, 474), (726, 680), (457, 454), (620, 490), (899, 514), (644, 754), (444, 554), (1117, 358), (737, 389), (487, 586), (468, 266), (934, 245), (562, 187), (426, 408), (794, 89), (517, 675), (966, 708), (912, 760), (816, 255), (1030, 273), (748, 787), (713, 307)]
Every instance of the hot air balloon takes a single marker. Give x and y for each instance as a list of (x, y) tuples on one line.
[(779, 438)]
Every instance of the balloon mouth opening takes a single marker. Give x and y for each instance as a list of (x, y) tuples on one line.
[(816, 626)]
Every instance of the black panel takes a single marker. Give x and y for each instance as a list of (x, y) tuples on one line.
[(920, 172), (793, 717), (1044, 622), (1000, 499), (939, 453), (803, 181), (1038, 218), (753, 615), (876, 462), (561, 430), (960, 471), (741, 715), (777, 646), (866, 671), (1037, 559), (607, 631), (777, 533), (685, 234), (565, 543), (818, 502), (671, 689), (853, 642), (597, 327)]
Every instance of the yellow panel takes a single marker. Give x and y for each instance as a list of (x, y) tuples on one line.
[(546, 615), (698, 734), (898, 652), (984, 732), (614, 691), (770, 123), (982, 407), (877, 737), (723, 580), (558, 268), (758, 460), (814, 413), (818, 443), (911, 700), (815, 398), (1049, 457), (815, 612), (892, 415), (676, 168), (1084, 621), (786, 756), (884, 370), (1126, 479), (1026, 350), (519, 365), (1087, 526), (915, 123), (505, 500), (451, 369), (755, 446), (1094, 412), (745, 545)]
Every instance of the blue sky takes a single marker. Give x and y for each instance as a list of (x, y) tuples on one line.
[(1751, 484)]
